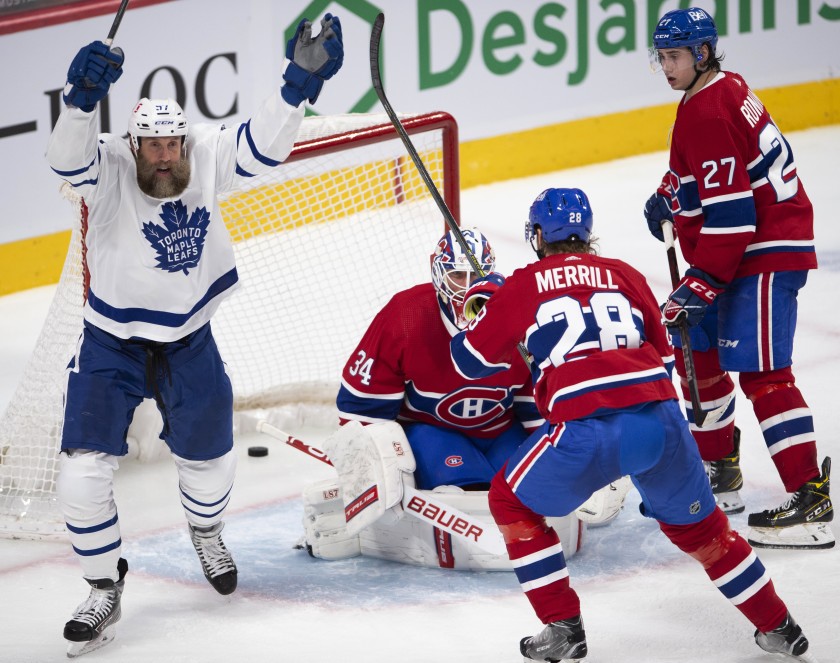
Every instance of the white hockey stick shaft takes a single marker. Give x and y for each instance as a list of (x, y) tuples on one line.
[(422, 505)]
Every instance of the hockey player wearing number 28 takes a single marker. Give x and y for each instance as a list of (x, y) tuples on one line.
[(746, 228), (398, 387), (603, 381), (160, 262)]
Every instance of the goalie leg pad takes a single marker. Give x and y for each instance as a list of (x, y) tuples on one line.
[(604, 505), (372, 463), (325, 530)]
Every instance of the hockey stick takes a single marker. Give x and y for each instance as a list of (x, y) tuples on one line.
[(376, 79), (700, 416), (116, 24), (423, 505)]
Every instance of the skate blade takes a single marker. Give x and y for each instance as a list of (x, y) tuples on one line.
[(76, 649), (730, 503), (814, 536), (525, 659)]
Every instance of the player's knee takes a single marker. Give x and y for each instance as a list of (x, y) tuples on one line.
[(516, 521), (209, 479), (758, 384), (707, 541), (85, 483)]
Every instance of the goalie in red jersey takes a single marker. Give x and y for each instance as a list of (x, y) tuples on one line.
[(399, 390), (602, 379), (746, 229)]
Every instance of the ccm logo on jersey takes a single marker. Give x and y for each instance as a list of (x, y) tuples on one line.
[(454, 461), (435, 514)]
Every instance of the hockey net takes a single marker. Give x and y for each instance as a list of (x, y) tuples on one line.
[(321, 244)]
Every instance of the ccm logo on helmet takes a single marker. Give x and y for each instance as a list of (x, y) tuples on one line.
[(454, 461)]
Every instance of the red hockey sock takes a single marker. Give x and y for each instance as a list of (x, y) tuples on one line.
[(732, 566), (786, 423), (536, 554), (716, 388)]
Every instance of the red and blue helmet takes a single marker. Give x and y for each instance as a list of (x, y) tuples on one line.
[(561, 214), (452, 272)]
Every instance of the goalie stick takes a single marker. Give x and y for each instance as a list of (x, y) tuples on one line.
[(376, 79), (701, 417), (423, 505)]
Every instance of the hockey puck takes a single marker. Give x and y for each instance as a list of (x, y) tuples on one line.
[(257, 452)]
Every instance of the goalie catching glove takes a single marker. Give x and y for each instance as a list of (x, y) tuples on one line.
[(479, 292), (312, 61)]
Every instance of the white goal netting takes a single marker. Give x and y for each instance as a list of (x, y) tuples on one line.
[(321, 244)]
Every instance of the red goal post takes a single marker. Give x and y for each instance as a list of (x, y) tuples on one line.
[(321, 244)]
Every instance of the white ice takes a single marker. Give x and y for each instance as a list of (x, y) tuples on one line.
[(642, 599)]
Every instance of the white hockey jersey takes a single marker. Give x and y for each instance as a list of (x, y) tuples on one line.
[(159, 268)]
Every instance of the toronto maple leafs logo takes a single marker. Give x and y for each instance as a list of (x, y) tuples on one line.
[(180, 240)]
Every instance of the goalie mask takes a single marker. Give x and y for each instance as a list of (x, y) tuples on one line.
[(157, 118), (452, 273)]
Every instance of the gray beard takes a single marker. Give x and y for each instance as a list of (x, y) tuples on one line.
[(163, 187)]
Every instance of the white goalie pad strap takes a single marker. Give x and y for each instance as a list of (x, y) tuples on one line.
[(324, 527), (604, 505), (373, 463)]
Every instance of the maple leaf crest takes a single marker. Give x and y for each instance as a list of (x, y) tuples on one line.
[(179, 241)]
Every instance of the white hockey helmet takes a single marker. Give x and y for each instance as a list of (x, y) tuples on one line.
[(156, 117)]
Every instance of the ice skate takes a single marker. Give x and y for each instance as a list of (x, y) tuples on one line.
[(786, 639), (559, 641), (726, 479), (92, 624), (216, 561), (801, 522)]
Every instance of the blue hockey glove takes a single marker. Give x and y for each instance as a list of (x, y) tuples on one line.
[(91, 74), (692, 296), (479, 292), (312, 61), (657, 210)]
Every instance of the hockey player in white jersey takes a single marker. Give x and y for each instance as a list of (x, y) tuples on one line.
[(160, 263)]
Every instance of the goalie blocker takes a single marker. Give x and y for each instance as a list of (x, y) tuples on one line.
[(363, 511)]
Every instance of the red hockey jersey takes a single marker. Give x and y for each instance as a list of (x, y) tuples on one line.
[(401, 370), (592, 326), (738, 204)]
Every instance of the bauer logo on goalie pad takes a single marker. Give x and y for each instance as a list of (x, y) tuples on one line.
[(436, 515), (363, 501)]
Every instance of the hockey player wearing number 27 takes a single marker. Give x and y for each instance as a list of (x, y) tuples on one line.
[(603, 382), (746, 228), (160, 262)]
